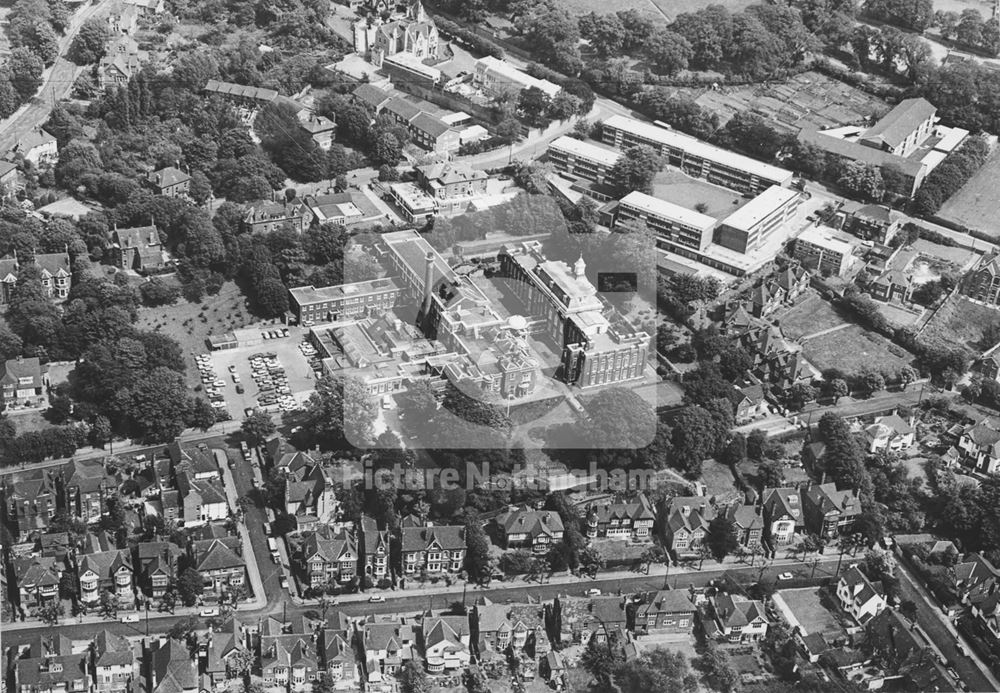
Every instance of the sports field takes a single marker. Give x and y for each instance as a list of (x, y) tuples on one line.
[(977, 204)]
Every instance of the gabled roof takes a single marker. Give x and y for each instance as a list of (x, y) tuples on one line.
[(861, 588), (371, 95), (168, 176), (779, 502), (900, 122), (402, 109), (827, 498), (744, 516), (689, 513), (639, 509), (105, 564), (215, 554), (983, 435), (431, 125), (112, 650), (329, 549), (448, 537), (668, 602), (174, 669), (449, 629), (53, 264), (735, 611), (530, 522), (15, 369), (36, 571)]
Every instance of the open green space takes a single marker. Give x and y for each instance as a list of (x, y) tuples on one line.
[(977, 205), (854, 350), (812, 315), (960, 321)]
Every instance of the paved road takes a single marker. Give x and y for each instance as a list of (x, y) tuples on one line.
[(280, 604), (930, 618), (882, 401), (58, 81)]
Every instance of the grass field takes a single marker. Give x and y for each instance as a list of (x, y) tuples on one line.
[(809, 317), (718, 480), (960, 321), (674, 186), (854, 350), (977, 204), (215, 314)]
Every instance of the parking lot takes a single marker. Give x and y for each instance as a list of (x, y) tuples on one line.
[(283, 362)]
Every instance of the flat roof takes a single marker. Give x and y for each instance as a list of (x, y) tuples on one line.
[(951, 138), (411, 248), (310, 294), (760, 207), (411, 62), (587, 150), (829, 239), (412, 196), (511, 72), (678, 140), (933, 158), (668, 210)]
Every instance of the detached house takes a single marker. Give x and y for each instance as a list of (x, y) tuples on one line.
[(157, 566), (338, 658), (669, 611), (783, 514), (497, 628), (112, 662), (687, 523), (39, 147), (201, 501), (748, 401), (172, 670), (137, 248), (328, 558), (632, 520), (23, 382), (265, 217), (53, 668), (57, 276), (221, 652), (531, 529), (889, 434), (309, 491), (387, 647), (30, 501), (980, 447), (106, 571), (446, 643), (37, 580), (829, 512), (859, 596), (86, 484), (170, 182), (747, 523), (433, 549), (219, 562), (738, 619)]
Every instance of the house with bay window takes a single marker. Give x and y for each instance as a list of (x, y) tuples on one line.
[(536, 530), (627, 520), (109, 571), (327, 557), (433, 549)]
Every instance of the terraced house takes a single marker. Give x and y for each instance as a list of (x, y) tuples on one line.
[(106, 571), (433, 549), (632, 520)]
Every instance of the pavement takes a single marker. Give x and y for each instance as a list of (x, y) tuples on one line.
[(57, 81)]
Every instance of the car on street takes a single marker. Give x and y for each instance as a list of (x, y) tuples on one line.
[(284, 582), (129, 618), (593, 592), (205, 613), (376, 599), (785, 576)]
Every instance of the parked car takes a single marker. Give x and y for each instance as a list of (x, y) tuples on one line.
[(205, 613), (129, 618), (785, 576), (593, 592), (376, 599), (239, 389)]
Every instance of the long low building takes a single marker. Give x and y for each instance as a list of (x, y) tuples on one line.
[(695, 157), (913, 170), (673, 223), (344, 301), (498, 76), (582, 159), (748, 227)]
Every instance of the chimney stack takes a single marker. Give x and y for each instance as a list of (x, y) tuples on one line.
[(428, 282)]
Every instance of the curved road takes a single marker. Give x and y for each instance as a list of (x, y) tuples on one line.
[(57, 83)]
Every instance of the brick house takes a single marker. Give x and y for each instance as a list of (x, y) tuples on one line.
[(265, 217), (783, 514), (51, 667), (687, 523), (980, 447), (57, 274), (374, 549), (113, 662), (738, 619), (86, 483), (859, 596), (828, 511), (36, 579), (106, 571), (24, 381), (219, 562), (433, 549), (30, 501), (170, 182), (387, 647), (137, 248), (157, 566), (669, 611), (632, 520), (327, 557), (748, 524), (531, 529)]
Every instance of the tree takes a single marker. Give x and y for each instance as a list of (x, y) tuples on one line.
[(89, 43), (257, 427), (51, 613), (100, 431), (719, 669), (340, 411), (654, 554), (635, 170), (721, 537), (605, 32), (25, 72), (771, 474), (189, 586), (564, 106), (909, 609), (656, 669), (533, 103), (618, 419), (970, 28), (413, 678), (478, 562), (156, 292), (669, 52), (862, 179), (109, 604), (907, 375), (837, 388), (873, 382)]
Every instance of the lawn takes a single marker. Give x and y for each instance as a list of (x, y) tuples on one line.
[(808, 610), (960, 321), (809, 317), (191, 323), (677, 187), (718, 480), (977, 205), (854, 350)]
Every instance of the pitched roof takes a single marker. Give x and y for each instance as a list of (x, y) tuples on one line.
[(53, 264), (112, 650), (900, 122), (105, 564), (531, 522), (15, 369), (431, 125), (215, 554), (168, 176), (449, 537), (668, 602), (783, 501), (371, 95), (403, 109), (174, 668)]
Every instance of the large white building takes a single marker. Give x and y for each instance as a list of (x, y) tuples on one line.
[(673, 224), (825, 249), (750, 226), (498, 76), (582, 159), (695, 157)]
